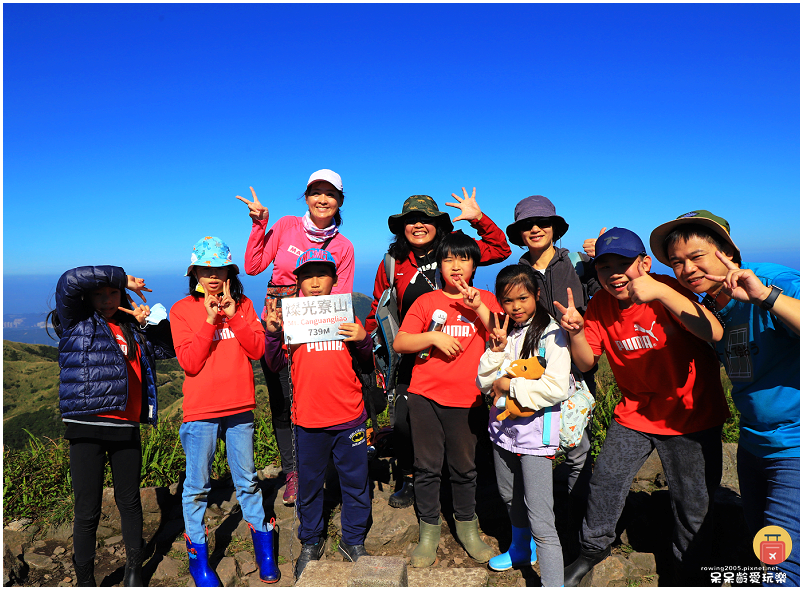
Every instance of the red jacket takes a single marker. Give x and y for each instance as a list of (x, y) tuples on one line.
[(494, 248)]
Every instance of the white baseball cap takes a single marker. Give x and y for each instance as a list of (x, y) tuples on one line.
[(327, 175)]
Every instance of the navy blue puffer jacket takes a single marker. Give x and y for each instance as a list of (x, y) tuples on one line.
[(94, 375)]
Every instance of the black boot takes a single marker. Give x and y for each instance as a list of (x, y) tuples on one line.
[(308, 552), (574, 572), (84, 574), (133, 567), (404, 497)]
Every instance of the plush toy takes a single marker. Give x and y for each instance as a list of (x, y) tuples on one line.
[(527, 369)]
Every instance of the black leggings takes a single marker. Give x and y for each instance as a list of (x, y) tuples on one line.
[(280, 407), (87, 460)]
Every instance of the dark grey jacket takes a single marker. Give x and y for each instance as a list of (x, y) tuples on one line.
[(559, 275)]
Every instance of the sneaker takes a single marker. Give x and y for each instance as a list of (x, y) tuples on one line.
[(352, 552), (290, 493), (308, 553)]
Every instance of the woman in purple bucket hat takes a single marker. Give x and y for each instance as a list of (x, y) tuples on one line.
[(537, 228)]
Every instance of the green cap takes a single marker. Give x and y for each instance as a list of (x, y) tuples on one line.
[(426, 206), (702, 217)]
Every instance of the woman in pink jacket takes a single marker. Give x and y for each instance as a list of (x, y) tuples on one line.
[(289, 237)]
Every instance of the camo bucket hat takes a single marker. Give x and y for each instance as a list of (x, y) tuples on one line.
[(211, 252), (420, 204)]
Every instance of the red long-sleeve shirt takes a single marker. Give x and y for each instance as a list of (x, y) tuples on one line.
[(216, 358)]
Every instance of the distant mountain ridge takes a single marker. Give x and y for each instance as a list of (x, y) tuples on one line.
[(30, 327), (30, 380)]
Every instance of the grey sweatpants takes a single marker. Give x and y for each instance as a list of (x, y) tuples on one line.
[(693, 469), (526, 486)]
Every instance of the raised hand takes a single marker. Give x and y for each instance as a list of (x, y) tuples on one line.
[(470, 211), (274, 316), (571, 318), (740, 283), (472, 297), (137, 286), (212, 307), (448, 344), (258, 211), (499, 334), (589, 245), (355, 332), (644, 288), (227, 305), (140, 312)]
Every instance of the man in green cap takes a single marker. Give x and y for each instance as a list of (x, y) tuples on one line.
[(758, 305)]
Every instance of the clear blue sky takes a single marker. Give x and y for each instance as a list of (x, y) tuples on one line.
[(129, 129)]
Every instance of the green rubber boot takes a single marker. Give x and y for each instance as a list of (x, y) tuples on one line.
[(467, 533), (425, 553)]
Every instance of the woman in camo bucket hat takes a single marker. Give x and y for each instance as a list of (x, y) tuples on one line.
[(417, 231)]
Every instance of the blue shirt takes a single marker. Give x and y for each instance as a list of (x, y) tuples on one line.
[(762, 358)]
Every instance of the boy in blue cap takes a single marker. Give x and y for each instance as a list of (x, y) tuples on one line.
[(328, 411), (654, 334)]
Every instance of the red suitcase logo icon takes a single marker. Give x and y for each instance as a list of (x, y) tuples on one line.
[(772, 552)]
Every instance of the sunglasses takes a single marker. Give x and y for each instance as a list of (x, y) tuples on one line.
[(540, 222), (418, 218)]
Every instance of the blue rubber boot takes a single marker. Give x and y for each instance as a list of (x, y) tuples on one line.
[(522, 551), (264, 546), (203, 575)]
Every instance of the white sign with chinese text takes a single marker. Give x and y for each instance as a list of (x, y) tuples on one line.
[(314, 319)]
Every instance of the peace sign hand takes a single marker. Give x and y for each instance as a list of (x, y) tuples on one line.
[(571, 319), (499, 334), (258, 212), (227, 305), (274, 316), (140, 312), (472, 297), (740, 283), (589, 245), (212, 307), (137, 286), (470, 211)]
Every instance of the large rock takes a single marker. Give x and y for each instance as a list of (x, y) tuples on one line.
[(39, 561), (384, 572), (392, 529), (325, 574), (439, 577), (168, 569), (227, 571)]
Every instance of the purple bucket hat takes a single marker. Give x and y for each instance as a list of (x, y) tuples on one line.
[(530, 208)]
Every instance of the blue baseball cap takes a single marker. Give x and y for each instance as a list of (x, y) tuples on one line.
[(315, 255), (619, 240)]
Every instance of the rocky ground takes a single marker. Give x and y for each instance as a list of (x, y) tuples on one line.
[(641, 555)]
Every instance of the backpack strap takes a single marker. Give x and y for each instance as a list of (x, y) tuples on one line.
[(547, 425), (388, 267), (326, 242)]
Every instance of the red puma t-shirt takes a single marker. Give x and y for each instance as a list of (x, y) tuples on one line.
[(449, 382), (668, 377), (133, 410)]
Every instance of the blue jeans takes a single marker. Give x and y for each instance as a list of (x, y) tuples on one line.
[(771, 496), (199, 440)]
